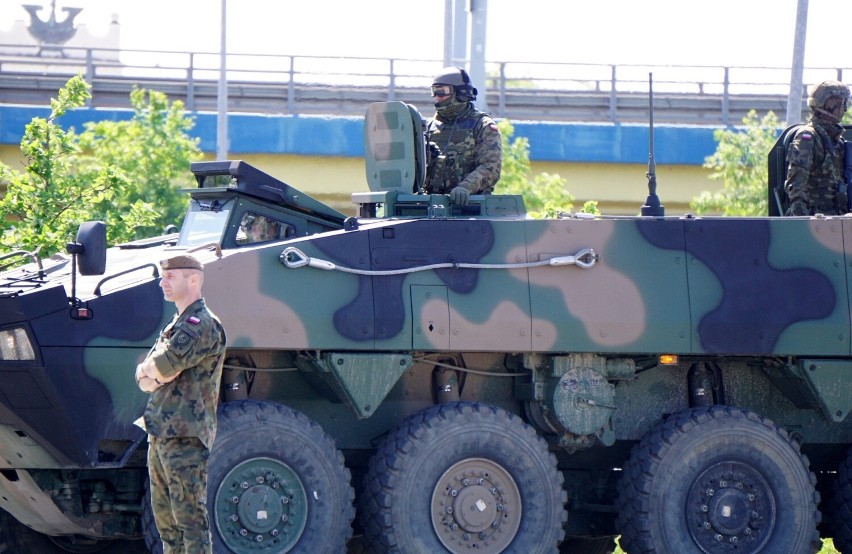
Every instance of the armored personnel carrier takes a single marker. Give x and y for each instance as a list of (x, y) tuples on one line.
[(427, 378)]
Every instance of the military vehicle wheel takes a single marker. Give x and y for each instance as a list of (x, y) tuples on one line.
[(461, 477), (276, 483), (718, 479), (840, 507), (601, 545), (16, 537)]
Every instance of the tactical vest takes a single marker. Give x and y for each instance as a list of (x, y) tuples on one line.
[(456, 141)]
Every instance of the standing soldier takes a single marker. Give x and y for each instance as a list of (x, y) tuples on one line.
[(182, 373), (815, 182), (469, 148)]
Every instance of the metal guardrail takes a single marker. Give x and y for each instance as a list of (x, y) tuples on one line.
[(264, 83)]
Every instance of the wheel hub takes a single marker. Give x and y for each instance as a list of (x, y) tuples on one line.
[(260, 506), (729, 511), (475, 508), (731, 508), (476, 505), (258, 510)]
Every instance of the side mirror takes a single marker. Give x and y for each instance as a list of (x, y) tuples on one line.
[(90, 248), (89, 255)]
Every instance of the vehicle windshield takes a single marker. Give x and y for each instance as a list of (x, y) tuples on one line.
[(205, 225)]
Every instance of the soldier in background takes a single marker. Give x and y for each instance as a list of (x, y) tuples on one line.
[(182, 373), (469, 149), (256, 228), (815, 182)]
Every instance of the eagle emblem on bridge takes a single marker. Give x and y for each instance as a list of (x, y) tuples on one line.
[(51, 31)]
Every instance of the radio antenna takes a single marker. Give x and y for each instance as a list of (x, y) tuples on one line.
[(652, 205)]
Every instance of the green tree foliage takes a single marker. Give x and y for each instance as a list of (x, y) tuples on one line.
[(740, 163), (545, 195), (152, 149), (121, 173), (44, 204)]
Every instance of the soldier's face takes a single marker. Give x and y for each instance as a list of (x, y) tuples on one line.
[(836, 106), (443, 95), (441, 91), (177, 284)]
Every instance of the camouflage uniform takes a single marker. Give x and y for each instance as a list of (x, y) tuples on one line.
[(815, 168), (471, 152), (181, 422)]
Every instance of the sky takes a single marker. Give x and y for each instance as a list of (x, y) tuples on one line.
[(659, 32)]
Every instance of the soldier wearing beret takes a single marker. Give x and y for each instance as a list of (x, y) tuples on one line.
[(466, 144), (182, 373), (815, 181)]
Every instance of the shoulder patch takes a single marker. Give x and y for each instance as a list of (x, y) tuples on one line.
[(182, 341), (493, 127), (807, 135), (183, 338), (194, 320)]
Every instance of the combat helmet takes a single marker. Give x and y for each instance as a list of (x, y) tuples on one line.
[(825, 90), (459, 80)]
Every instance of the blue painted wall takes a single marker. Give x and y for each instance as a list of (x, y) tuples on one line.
[(343, 136)]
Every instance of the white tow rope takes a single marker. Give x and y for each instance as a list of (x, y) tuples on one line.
[(292, 257)]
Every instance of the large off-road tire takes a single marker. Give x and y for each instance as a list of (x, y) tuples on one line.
[(276, 484), (17, 538), (463, 477), (602, 545), (718, 479), (840, 507)]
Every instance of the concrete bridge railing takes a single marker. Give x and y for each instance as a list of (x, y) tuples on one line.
[(261, 83)]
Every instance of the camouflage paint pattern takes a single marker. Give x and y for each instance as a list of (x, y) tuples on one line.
[(684, 286), (127, 323)]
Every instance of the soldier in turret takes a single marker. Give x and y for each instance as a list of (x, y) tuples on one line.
[(815, 181), (469, 149)]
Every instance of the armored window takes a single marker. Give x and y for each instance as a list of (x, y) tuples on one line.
[(256, 228), (203, 226)]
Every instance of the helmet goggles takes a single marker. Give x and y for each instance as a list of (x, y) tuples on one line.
[(442, 91)]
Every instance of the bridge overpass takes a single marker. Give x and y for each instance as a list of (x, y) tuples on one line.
[(519, 91), (316, 98), (301, 118)]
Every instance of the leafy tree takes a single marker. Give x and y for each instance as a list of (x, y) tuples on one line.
[(117, 172), (44, 204), (544, 194), (153, 150), (740, 163)]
